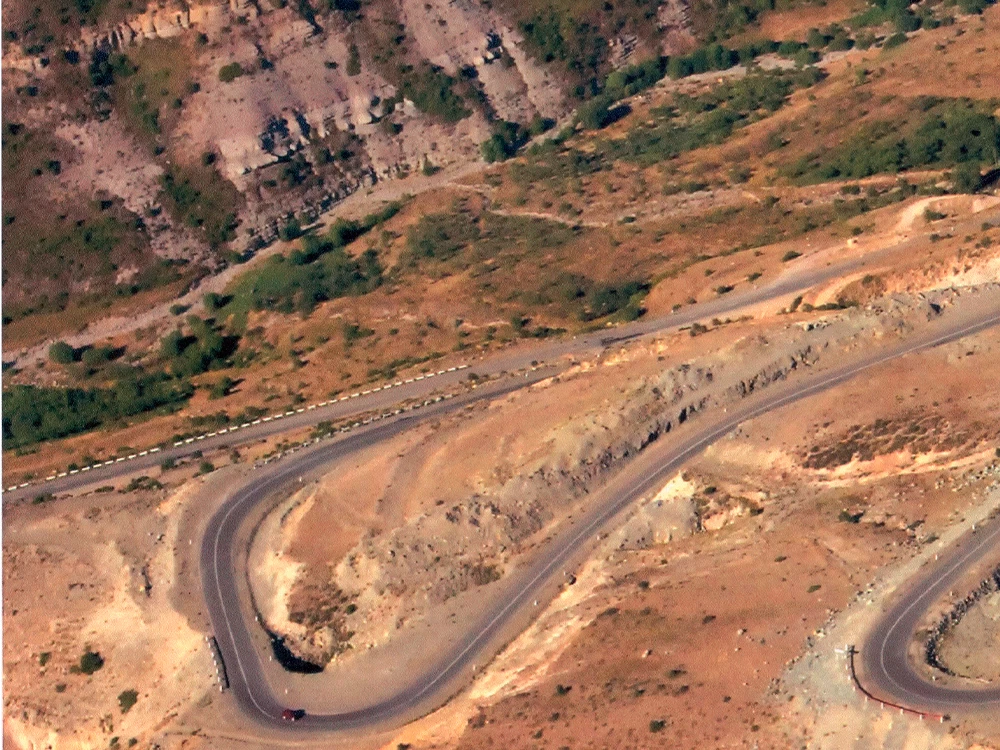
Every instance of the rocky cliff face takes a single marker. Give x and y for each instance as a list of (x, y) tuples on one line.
[(301, 96)]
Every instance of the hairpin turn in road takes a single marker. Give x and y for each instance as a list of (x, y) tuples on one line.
[(424, 691)]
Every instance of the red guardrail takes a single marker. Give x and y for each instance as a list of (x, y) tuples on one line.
[(851, 651)]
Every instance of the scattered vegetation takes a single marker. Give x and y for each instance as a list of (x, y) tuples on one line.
[(947, 133), (432, 91), (142, 483), (576, 40), (695, 121), (201, 198), (321, 269)]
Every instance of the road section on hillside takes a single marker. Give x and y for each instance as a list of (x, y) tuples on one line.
[(517, 359), (888, 670), (487, 632)]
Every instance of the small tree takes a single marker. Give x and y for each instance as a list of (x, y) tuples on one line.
[(353, 61), (966, 177), (97, 356), (212, 301), (221, 388), (61, 353), (127, 699), (231, 72), (90, 662)]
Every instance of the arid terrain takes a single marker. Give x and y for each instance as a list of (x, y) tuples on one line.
[(214, 214)]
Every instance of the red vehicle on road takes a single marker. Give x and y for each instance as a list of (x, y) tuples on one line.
[(292, 714)]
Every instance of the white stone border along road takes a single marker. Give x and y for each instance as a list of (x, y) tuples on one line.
[(280, 415)]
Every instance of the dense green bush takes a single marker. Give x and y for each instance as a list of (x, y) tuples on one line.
[(711, 57), (106, 66), (635, 78), (62, 353), (203, 349), (507, 138), (127, 699), (432, 91), (320, 269), (607, 300), (90, 662), (966, 177), (32, 414), (230, 72), (295, 284)]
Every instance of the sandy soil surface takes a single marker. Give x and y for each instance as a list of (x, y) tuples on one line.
[(97, 574)]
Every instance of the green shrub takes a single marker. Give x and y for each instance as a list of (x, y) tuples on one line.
[(353, 67), (106, 66), (966, 177), (507, 138), (607, 300), (230, 72), (62, 353), (204, 349), (893, 41), (213, 301), (127, 699), (432, 91), (96, 356), (142, 483), (90, 662), (221, 388)]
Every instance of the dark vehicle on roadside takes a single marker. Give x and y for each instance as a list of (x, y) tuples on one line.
[(293, 714)]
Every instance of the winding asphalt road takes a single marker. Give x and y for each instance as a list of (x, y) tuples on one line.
[(219, 558), (888, 669), (792, 281), (424, 691)]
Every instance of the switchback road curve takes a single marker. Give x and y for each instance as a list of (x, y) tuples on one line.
[(887, 667), (423, 692)]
